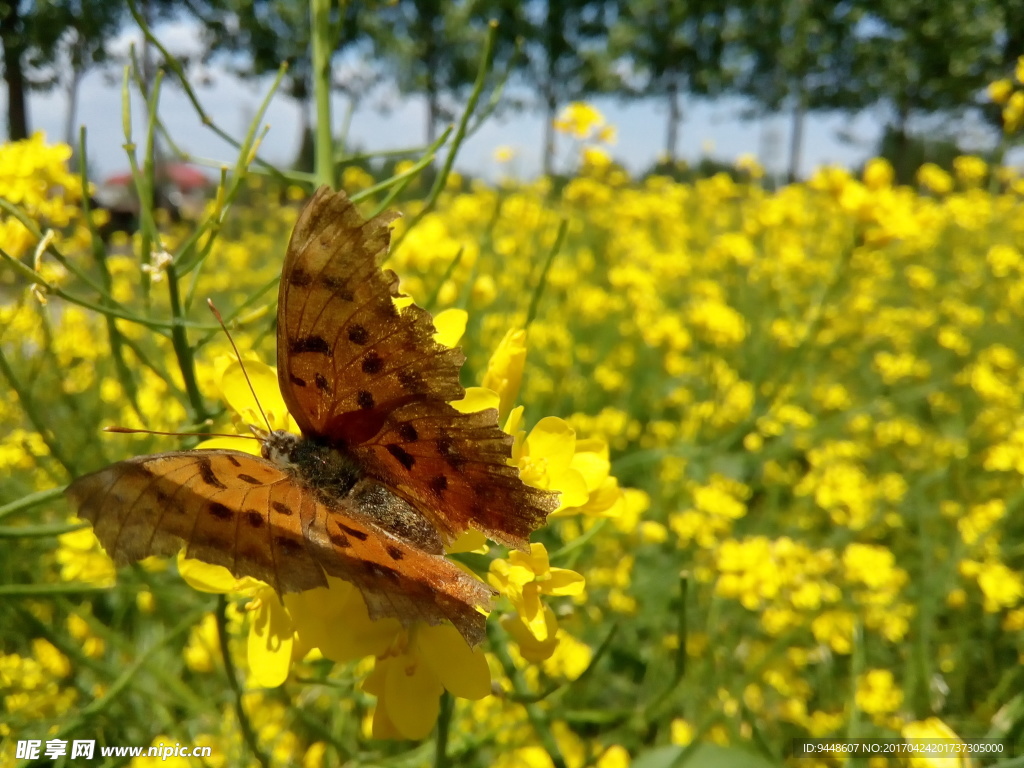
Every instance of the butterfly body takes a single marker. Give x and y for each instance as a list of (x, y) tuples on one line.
[(384, 475), (335, 478)]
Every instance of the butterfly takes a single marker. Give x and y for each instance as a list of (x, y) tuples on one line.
[(384, 475)]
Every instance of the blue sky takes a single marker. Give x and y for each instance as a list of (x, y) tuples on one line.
[(708, 128)]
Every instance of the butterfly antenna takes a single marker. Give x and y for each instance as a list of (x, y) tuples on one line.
[(129, 431), (216, 314)]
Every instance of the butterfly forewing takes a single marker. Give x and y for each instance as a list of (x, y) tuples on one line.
[(371, 379), (244, 513), (343, 347)]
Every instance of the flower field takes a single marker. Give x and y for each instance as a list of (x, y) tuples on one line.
[(787, 427)]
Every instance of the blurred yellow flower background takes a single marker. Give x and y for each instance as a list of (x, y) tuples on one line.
[(787, 426)]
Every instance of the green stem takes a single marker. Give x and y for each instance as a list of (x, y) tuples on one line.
[(186, 360), (172, 63), (30, 501), (51, 250), (534, 713), (229, 669), (319, 12), (38, 531), (159, 326), (444, 724), (542, 281), (49, 590), (28, 405)]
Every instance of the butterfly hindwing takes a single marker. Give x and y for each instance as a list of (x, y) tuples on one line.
[(452, 467), (372, 380), (242, 512)]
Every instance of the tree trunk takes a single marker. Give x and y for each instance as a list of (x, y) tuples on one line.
[(796, 136), (74, 81), (674, 116), (14, 47), (305, 157), (432, 110), (549, 130), (901, 159)]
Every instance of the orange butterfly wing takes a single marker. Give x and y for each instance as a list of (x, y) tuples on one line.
[(371, 379), (244, 513)]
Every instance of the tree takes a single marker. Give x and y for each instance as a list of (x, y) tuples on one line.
[(29, 33), (269, 32), (431, 48), (671, 48), (564, 46), (800, 55), (922, 58)]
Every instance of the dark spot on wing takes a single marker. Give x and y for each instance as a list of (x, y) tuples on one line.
[(339, 540), (447, 449), (316, 344), (394, 552), (408, 432), (296, 380), (289, 545), (439, 484), (336, 285), (410, 381), (140, 470), (220, 511), (358, 335), (354, 532), (250, 479), (299, 278), (322, 384), (207, 474), (281, 507), (372, 363), (404, 457), (234, 462), (365, 400), (254, 518), (382, 571)]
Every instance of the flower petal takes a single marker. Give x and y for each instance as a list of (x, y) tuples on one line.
[(469, 541), (564, 582), (476, 399), (238, 396), (450, 324), (593, 466), (412, 696), (505, 368), (270, 642), (213, 578), (513, 426), (318, 614), (552, 439), (231, 444), (572, 487), (461, 669), (532, 649)]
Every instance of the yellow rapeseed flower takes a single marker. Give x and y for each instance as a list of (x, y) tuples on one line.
[(524, 577), (999, 90), (580, 120)]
